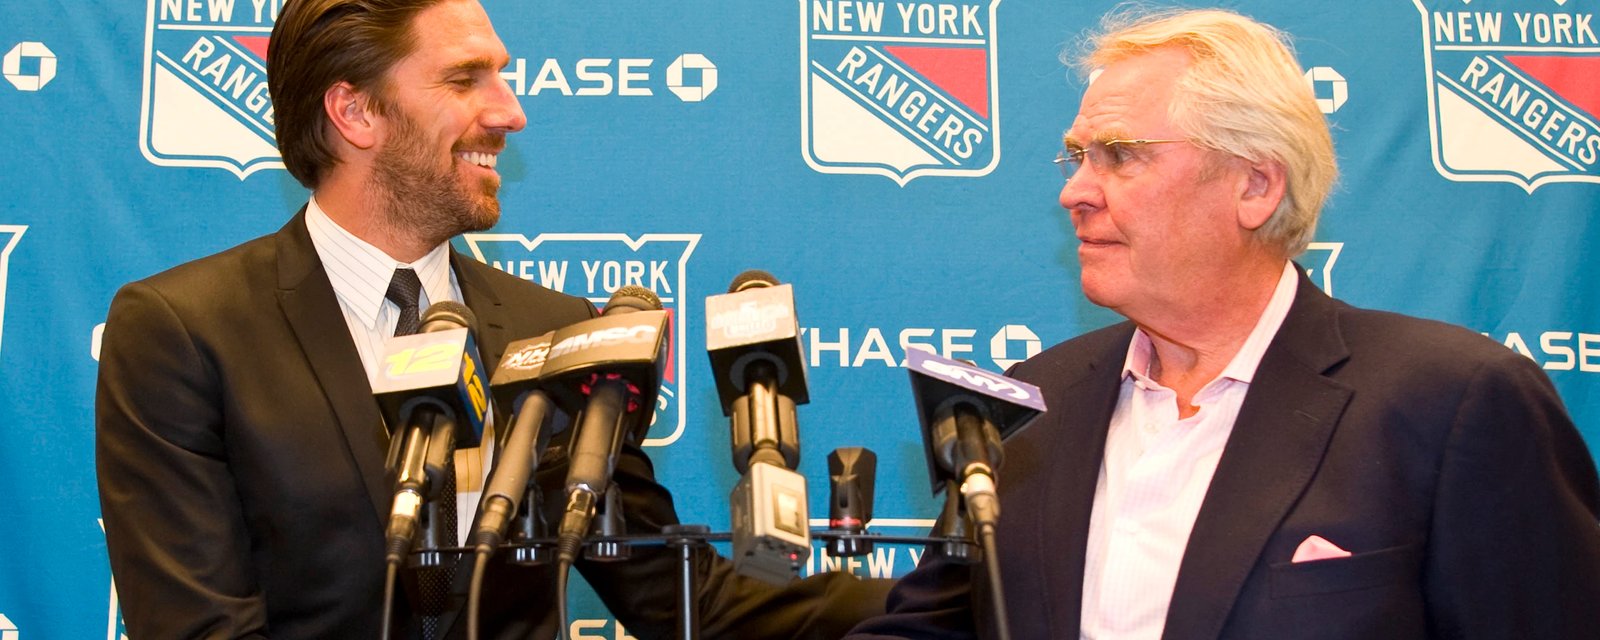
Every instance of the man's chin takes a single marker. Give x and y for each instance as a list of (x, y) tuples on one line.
[(1099, 291), (485, 215)]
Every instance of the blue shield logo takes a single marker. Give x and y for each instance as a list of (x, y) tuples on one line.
[(205, 101), (593, 265), (901, 90), (1512, 95)]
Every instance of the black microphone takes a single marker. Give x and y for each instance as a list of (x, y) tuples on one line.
[(854, 472), (608, 368), (753, 340), (430, 391), (515, 387), (965, 413)]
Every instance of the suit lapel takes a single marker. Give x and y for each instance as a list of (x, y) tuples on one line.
[(1078, 441), (493, 317), (1277, 444), (312, 310)]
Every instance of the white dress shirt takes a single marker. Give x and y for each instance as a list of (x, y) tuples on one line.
[(360, 274), (1155, 474)]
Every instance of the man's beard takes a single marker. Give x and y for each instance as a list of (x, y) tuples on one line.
[(422, 200)]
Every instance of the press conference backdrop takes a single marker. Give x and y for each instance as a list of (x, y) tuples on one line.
[(891, 159)]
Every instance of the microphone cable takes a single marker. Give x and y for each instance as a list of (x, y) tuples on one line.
[(1002, 628), (389, 575), (563, 566), (480, 563)]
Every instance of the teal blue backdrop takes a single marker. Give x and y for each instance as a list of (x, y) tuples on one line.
[(890, 159)]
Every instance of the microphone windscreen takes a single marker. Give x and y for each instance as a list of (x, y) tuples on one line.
[(449, 311), (751, 279), (633, 297)]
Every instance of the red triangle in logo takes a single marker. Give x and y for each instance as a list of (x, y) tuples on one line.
[(256, 44), (1573, 78), (963, 73)]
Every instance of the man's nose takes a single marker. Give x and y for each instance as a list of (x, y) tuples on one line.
[(505, 111), (1082, 191)]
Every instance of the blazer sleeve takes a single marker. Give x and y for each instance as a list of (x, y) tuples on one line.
[(1515, 541), (933, 601), (642, 591), (173, 524)]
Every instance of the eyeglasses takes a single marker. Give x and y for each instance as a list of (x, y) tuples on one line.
[(1105, 155)]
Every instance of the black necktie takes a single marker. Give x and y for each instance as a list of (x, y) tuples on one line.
[(405, 291)]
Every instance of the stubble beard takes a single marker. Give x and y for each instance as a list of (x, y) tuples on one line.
[(423, 201)]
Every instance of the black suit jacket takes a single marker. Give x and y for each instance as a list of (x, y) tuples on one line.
[(242, 479), (1443, 461)]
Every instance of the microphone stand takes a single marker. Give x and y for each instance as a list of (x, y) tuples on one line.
[(689, 540)]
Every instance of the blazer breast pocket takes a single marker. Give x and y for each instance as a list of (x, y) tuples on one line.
[(1384, 567)]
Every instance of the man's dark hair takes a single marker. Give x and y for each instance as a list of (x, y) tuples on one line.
[(317, 43)]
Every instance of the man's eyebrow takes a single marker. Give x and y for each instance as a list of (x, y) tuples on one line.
[(1109, 134), (475, 64)]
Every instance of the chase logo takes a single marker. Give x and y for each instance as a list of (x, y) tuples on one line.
[(29, 66), (899, 89), (1512, 95), (9, 236), (593, 265), (205, 101), (692, 77)]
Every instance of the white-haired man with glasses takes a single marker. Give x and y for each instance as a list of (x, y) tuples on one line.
[(1246, 457)]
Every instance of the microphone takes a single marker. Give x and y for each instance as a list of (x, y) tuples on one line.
[(430, 390), (965, 412), (854, 471), (516, 391), (609, 368), (753, 341)]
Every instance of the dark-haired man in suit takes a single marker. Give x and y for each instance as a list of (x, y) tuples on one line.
[(239, 450)]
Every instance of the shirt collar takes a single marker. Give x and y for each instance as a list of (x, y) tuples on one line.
[(1244, 363), (360, 273)]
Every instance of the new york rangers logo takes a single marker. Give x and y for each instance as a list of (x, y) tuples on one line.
[(1512, 94), (593, 265), (205, 100), (899, 89), (1318, 261), (9, 235)]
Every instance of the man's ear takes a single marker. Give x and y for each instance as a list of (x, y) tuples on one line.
[(1266, 184), (350, 112)]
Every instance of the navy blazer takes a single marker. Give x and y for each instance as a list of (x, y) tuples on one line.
[(1443, 461)]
